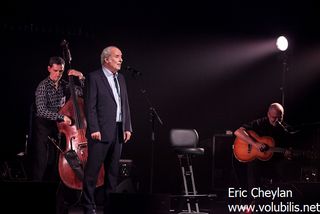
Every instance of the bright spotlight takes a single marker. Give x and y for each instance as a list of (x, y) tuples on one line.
[(282, 43)]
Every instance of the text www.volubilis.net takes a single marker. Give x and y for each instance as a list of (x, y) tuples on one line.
[(279, 207)]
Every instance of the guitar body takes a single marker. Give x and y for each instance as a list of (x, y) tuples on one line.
[(245, 152)]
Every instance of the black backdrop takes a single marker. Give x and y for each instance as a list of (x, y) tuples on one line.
[(201, 70)]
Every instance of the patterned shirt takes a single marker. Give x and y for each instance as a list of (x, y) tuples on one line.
[(49, 99)]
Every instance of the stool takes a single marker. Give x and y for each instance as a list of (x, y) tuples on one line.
[(184, 143)]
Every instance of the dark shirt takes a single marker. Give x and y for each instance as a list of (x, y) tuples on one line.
[(49, 99), (263, 128)]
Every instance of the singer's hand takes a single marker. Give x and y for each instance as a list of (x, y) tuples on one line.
[(126, 136), (96, 136)]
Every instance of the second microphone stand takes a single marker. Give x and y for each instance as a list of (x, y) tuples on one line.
[(154, 117)]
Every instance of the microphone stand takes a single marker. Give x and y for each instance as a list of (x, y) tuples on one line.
[(154, 116)]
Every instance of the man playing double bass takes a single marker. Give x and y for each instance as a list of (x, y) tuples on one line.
[(51, 94)]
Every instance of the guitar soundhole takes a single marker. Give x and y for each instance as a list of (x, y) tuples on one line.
[(265, 148)]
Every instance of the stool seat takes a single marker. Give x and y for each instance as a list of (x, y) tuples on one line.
[(191, 151)]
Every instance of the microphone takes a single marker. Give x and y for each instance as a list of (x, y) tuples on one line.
[(280, 124), (133, 71), (286, 130)]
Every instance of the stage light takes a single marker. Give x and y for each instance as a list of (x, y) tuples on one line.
[(282, 43)]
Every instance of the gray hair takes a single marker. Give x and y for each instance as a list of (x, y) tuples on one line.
[(106, 53), (276, 106)]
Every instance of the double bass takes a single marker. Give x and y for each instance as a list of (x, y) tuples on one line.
[(73, 158)]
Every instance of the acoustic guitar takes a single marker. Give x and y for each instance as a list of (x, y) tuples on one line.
[(246, 152)]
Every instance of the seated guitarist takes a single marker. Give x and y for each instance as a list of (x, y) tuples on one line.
[(270, 170)]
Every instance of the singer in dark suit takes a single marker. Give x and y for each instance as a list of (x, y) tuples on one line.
[(108, 125)]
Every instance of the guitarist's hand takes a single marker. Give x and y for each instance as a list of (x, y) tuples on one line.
[(288, 154)]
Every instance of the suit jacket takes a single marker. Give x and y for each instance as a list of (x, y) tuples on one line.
[(101, 107)]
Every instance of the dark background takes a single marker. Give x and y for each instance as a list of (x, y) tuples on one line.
[(205, 66)]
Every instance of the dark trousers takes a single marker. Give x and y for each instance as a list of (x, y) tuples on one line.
[(42, 153), (271, 172), (107, 153)]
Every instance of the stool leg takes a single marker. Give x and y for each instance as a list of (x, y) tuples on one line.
[(193, 183), (187, 170), (185, 182)]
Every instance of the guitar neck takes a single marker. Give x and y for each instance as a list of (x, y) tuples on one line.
[(296, 153), (278, 149)]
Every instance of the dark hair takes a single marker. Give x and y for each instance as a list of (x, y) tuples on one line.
[(56, 60)]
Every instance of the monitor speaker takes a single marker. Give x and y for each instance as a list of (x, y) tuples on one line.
[(219, 168)]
